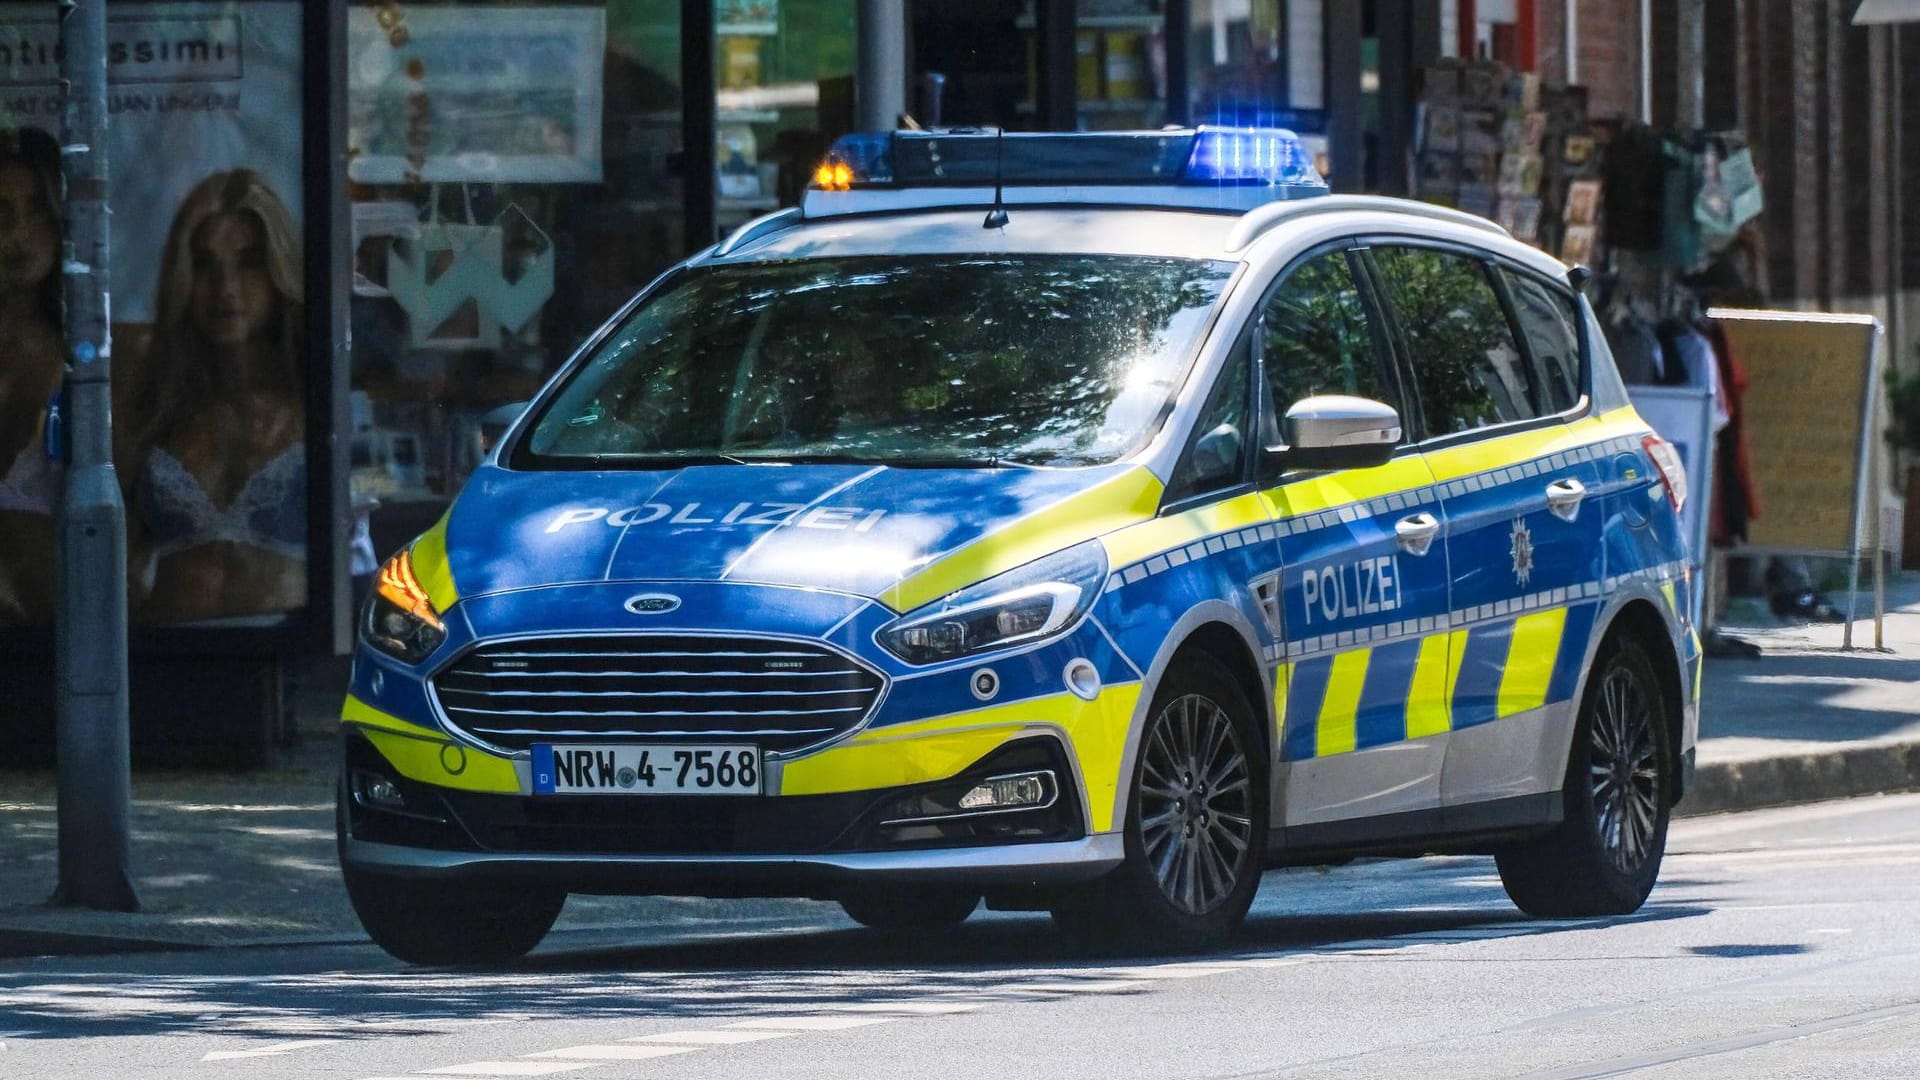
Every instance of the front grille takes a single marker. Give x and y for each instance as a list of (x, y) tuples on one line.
[(778, 695)]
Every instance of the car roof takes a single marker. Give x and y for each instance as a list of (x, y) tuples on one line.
[(1029, 230), (1172, 232)]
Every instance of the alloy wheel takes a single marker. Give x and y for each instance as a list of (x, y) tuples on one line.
[(1624, 771), (1196, 804)]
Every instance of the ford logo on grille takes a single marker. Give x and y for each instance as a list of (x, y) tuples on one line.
[(652, 603)]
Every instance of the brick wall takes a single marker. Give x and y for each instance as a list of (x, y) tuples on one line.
[(1609, 52)]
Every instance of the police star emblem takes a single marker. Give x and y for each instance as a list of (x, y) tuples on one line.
[(1522, 551)]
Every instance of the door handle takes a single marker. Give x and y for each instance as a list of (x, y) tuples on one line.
[(1564, 496), (1415, 534)]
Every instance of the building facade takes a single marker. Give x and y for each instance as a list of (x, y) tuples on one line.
[(348, 236)]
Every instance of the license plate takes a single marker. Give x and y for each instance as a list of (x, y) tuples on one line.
[(707, 769)]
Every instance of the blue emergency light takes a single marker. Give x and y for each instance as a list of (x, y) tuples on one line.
[(1204, 156)]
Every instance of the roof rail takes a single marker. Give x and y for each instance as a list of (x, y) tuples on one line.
[(1260, 219), (764, 225)]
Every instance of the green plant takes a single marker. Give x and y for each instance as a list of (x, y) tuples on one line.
[(1903, 406)]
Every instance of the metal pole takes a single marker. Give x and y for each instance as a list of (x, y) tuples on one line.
[(95, 785), (880, 82), (699, 121)]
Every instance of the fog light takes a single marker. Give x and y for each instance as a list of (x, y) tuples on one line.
[(1035, 790), (370, 789), (1008, 792)]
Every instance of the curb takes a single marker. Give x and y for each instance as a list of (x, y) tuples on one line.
[(1803, 778)]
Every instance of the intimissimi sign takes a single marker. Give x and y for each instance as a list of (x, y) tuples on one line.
[(167, 49)]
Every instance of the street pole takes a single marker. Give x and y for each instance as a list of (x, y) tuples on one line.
[(90, 627)]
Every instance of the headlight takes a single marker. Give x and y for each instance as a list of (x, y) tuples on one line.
[(399, 619), (1026, 604)]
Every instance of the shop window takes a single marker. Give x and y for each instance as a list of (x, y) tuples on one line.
[(1551, 324), (1120, 64), (784, 70), (1316, 339), (1468, 368), (1257, 62), (513, 182), (209, 306)]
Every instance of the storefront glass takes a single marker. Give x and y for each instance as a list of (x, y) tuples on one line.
[(785, 89), (208, 291), (1120, 73), (513, 181)]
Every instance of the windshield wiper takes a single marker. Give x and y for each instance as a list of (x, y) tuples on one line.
[(950, 461), (665, 460)]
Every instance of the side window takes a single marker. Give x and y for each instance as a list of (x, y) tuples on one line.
[(1315, 337), (1469, 371), (1550, 322), (1216, 455)]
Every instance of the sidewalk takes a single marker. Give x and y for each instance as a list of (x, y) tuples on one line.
[(248, 859), (1806, 721), (225, 859)]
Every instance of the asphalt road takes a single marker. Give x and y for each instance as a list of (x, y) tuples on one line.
[(1779, 943)]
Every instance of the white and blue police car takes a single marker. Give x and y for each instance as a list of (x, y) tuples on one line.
[(1085, 523)]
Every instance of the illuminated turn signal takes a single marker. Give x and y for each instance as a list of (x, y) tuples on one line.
[(833, 176), (399, 587)]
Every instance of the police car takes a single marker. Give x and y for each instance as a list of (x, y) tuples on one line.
[(1082, 523)]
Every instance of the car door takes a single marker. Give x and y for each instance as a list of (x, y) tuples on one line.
[(1363, 573), (1496, 410)]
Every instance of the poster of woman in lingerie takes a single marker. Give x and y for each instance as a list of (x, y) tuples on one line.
[(30, 371), (218, 464)]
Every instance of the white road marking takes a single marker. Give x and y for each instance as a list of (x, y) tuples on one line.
[(508, 1068), (810, 1023), (709, 1038), (264, 1051), (1089, 986), (913, 1008), (1165, 971), (611, 1052)]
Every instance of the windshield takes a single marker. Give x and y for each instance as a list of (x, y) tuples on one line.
[(902, 360)]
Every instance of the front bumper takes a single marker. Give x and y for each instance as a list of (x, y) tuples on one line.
[(724, 845), (1012, 865)]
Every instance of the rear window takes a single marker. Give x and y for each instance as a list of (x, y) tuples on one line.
[(1550, 322)]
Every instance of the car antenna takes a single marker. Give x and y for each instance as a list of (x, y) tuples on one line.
[(997, 217)]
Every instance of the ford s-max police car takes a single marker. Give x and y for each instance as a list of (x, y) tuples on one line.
[(1082, 523)]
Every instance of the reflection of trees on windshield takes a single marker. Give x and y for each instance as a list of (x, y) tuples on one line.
[(1463, 353), (1316, 339), (1024, 357)]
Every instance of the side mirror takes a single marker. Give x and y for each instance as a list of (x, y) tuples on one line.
[(1216, 455), (1333, 431)]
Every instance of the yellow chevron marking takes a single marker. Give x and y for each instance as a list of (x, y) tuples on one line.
[(1131, 496), (1531, 655), (1673, 601), (1282, 682), (1339, 712), (1430, 699), (430, 565)]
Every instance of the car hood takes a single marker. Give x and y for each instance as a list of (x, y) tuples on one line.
[(900, 536)]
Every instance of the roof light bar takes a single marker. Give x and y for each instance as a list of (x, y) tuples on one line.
[(1205, 156)]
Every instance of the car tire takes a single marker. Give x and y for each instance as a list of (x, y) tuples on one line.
[(442, 923), (910, 909), (1604, 857), (447, 923), (1196, 837)]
